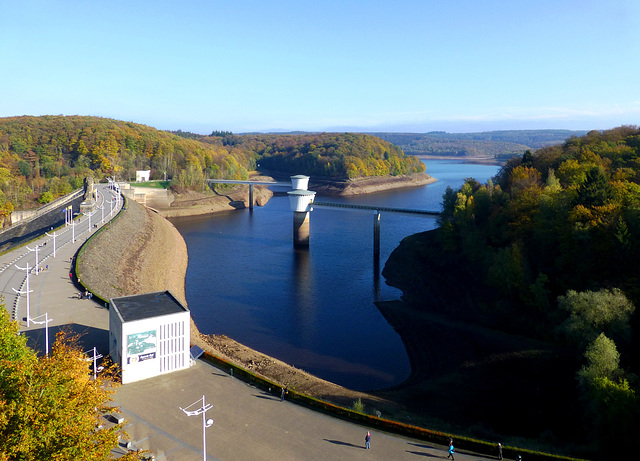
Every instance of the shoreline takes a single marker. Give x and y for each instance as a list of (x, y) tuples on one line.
[(369, 184), (480, 160), (144, 252)]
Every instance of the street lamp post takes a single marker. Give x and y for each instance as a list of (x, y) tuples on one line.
[(36, 250), (89, 215), (95, 357), (102, 208), (27, 291), (205, 422), (54, 242), (46, 328)]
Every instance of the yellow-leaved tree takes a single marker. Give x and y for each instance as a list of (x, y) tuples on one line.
[(50, 406)]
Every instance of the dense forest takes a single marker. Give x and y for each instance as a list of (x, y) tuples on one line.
[(500, 145), (549, 250), (42, 158), (346, 155)]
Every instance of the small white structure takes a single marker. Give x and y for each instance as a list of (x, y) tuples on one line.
[(148, 335), (300, 200), (142, 175), (299, 182)]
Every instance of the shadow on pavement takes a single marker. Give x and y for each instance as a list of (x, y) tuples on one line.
[(89, 337), (346, 444), (419, 453)]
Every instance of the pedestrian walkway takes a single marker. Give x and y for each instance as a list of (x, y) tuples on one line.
[(249, 424)]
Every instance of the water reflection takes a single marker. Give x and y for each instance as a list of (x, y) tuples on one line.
[(315, 308)]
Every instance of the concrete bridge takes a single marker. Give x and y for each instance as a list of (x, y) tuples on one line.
[(251, 184), (302, 202), (377, 208)]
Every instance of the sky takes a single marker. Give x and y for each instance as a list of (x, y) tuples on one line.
[(325, 65)]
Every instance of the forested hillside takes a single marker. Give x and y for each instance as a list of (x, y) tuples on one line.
[(345, 155), (500, 145), (42, 158), (550, 249)]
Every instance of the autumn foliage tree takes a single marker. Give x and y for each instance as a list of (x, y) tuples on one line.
[(553, 243), (50, 407), (46, 157)]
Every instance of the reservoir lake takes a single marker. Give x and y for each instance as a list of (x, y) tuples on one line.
[(314, 309)]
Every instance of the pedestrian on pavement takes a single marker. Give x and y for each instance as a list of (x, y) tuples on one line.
[(284, 391), (367, 440), (499, 451), (450, 455)]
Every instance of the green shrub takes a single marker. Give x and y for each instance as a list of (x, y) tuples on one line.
[(358, 406)]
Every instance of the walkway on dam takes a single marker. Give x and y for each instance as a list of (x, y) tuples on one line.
[(249, 423)]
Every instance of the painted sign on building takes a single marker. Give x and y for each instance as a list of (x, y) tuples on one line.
[(141, 346)]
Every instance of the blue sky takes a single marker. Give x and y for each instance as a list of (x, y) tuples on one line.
[(324, 65)]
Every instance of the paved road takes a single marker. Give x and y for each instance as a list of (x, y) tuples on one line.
[(249, 423)]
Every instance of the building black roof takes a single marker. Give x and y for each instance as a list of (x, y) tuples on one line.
[(147, 305)]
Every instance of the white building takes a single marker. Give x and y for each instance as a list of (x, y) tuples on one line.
[(142, 175), (148, 335)]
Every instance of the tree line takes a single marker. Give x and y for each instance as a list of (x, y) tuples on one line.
[(554, 239), (42, 158)]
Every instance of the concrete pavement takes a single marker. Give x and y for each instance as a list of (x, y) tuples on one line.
[(249, 423)]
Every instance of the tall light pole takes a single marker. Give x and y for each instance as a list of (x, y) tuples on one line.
[(54, 242), (95, 357), (36, 250), (27, 291), (46, 328), (205, 422), (89, 215), (101, 208)]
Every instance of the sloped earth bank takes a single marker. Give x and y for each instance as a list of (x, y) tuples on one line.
[(466, 379), (368, 185), (142, 252)]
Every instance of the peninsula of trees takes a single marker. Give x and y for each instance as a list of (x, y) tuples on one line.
[(548, 250), (44, 157)]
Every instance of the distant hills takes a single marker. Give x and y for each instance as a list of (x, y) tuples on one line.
[(499, 145)]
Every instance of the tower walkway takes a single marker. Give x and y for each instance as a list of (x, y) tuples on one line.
[(376, 208)]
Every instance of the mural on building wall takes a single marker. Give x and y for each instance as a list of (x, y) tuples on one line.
[(141, 346)]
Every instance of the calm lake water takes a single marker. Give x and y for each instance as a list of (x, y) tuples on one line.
[(313, 309)]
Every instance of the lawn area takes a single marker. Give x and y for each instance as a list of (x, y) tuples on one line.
[(152, 184)]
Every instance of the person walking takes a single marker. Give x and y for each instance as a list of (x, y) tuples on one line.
[(499, 451), (284, 391), (367, 440), (450, 455)]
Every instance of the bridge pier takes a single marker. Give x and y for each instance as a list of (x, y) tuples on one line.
[(376, 237), (250, 197), (301, 229)]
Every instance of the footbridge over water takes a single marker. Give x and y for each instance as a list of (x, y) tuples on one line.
[(302, 202), (377, 208), (251, 184)]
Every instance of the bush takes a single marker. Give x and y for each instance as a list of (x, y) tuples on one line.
[(45, 197), (358, 406)]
